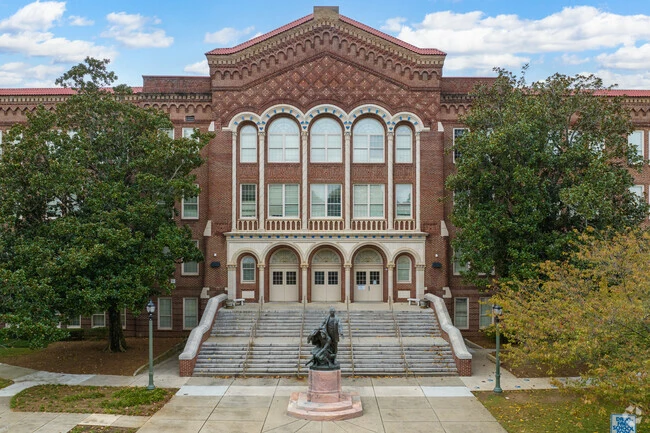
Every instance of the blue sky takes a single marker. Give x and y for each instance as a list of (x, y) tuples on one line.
[(610, 38)]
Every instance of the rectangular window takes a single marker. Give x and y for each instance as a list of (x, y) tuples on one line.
[(485, 313), (169, 132), (319, 277), (461, 317), (368, 201), (325, 201), (190, 208), (459, 268), (284, 147), (98, 320), (283, 200), (374, 277), (333, 278), (458, 132), (635, 139), (277, 278), (248, 201), (248, 145), (403, 201), (188, 132), (638, 190), (191, 268), (361, 278), (291, 278), (190, 313), (248, 270), (164, 313), (403, 143), (74, 322)]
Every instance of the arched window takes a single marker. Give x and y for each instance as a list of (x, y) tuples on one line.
[(403, 144), (325, 140), (248, 144), (368, 137), (284, 141), (248, 270), (404, 270)]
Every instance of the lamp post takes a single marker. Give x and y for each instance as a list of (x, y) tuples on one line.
[(151, 308), (496, 311)]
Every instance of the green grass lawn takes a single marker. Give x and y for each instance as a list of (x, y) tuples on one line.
[(13, 348), (549, 411), (5, 383)]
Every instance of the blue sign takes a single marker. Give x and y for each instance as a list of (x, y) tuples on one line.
[(623, 423)]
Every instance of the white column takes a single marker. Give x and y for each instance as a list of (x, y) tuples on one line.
[(417, 182), (232, 280), (261, 187), (391, 267), (303, 205), (419, 280), (347, 186), (234, 181), (260, 278), (347, 281), (391, 136), (304, 267)]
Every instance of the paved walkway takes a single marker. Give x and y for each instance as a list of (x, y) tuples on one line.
[(418, 404)]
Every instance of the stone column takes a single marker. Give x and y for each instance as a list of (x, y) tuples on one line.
[(419, 280), (304, 267), (347, 187), (305, 186), (234, 182), (260, 278), (391, 268), (389, 183), (232, 280), (261, 187), (348, 269)]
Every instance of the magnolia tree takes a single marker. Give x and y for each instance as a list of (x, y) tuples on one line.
[(87, 218), (591, 310)]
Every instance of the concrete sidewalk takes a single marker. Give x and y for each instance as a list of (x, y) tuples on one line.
[(413, 404)]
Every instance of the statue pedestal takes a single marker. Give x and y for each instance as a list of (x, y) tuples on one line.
[(324, 400)]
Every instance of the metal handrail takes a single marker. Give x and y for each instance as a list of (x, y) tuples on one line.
[(350, 337), (251, 339), (407, 370), (302, 333)]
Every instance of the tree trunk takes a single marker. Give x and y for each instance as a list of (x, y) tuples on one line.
[(116, 341)]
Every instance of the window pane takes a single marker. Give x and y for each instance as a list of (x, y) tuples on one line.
[(277, 278), (332, 278), (404, 270), (368, 141), (191, 207), (361, 278), (165, 313), (291, 278), (318, 200), (485, 313), (248, 201), (403, 200), (248, 269), (334, 201), (319, 277), (460, 313), (191, 313), (374, 277), (248, 144), (636, 140)]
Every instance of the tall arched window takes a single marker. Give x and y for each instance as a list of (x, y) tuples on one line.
[(403, 144), (248, 144), (404, 270), (284, 141), (248, 270), (325, 140), (368, 137)]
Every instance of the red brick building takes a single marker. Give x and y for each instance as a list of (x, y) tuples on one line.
[(325, 181)]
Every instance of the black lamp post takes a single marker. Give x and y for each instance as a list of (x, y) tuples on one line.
[(151, 308), (497, 311)]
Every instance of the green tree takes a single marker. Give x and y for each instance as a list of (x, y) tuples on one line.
[(590, 310), (538, 164), (87, 195)]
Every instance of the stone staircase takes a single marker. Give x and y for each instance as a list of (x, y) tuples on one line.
[(273, 341)]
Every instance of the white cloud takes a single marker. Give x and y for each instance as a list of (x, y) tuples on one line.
[(76, 20), (44, 44), (37, 16), (199, 68), (227, 36), (628, 57), (572, 30), (572, 59), (485, 63), (22, 74), (640, 80), (393, 24), (134, 31)]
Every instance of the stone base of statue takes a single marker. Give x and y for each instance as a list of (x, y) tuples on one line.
[(324, 400)]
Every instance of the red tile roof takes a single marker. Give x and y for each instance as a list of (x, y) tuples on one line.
[(308, 18), (46, 91), (632, 93)]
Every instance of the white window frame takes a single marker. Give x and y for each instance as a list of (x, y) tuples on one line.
[(409, 267), (92, 320), (242, 279), (401, 148), (456, 134), (241, 201), (185, 316), (335, 146), (184, 270), (362, 148), (329, 188), (188, 132), (184, 202), (457, 323), (282, 144), (457, 266), (640, 145), (71, 326), (165, 315), (399, 205), (246, 147), (284, 203), (484, 303), (168, 131), (368, 202)]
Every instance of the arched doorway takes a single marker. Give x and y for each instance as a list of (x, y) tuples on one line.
[(283, 274), (326, 277), (368, 276)]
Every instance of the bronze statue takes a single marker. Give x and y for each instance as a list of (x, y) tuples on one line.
[(326, 341)]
